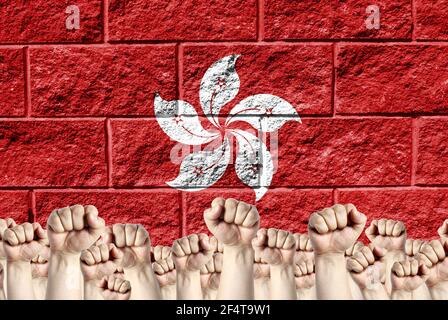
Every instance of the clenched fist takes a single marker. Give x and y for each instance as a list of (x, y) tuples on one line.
[(115, 288), (211, 272), (304, 250), (232, 222), (368, 268), (335, 229), (358, 245), (73, 229), (304, 275), (277, 247), (4, 224), (39, 264), (160, 252), (165, 271), (192, 252), (434, 256), (443, 230), (413, 247), (24, 242), (99, 261), (133, 241), (261, 267), (408, 275), (387, 234)]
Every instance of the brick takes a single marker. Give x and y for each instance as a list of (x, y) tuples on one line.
[(44, 21), (52, 153), (332, 152), (142, 155), (301, 74), (12, 88), (432, 153), (431, 19), (182, 20), (14, 204), (336, 19), (392, 79), (274, 211), (119, 80), (157, 210), (422, 210)]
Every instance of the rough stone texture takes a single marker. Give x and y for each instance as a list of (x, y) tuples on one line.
[(392, 79), (182, 20), (44, 21), (432, 154), (12, 91), (52, 153), (157, 210), (335, 19), (422, 210), (332, 152), (14, 204), (119, 80), (273, 209), (298, 73), (432, 19)]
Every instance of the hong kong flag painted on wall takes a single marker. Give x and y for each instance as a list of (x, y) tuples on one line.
[(149, 111)]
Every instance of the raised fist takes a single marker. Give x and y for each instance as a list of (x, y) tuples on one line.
[(413, 247), (335, 229), (192, 252), (434, 256), (160, 252), (262, 269), (304, 274), (39, 264), (134, 243), (99, 261), (443, 230), (232, 222), (165, 271), (408, 275), (367, 267), (4, 224), (211, 272), (24, 242), (358, 245), (73, 229), (276, 246), (388, 234), (115, 288), (304, 250)]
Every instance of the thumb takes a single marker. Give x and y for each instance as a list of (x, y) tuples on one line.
[(211, 216), (95, 222)]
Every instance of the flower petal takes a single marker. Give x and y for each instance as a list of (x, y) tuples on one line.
[(253, 162), (219, 85), (200, 170), (272, 111), (179, 120)]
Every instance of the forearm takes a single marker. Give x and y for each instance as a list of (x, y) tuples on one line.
[(209, 294), (283, 286), (439, 291), (262, 289), (144, 285), (64, 277), (332, 277), (237, 276), (5, 274), (306, 294), (92, 290), (401, 295), (168, 292), (188, 285), (421, 293), (2, 294), (19, 282), (379, 293), (39, 288)]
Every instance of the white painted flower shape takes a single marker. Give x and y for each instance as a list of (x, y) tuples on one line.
[(253, 163)]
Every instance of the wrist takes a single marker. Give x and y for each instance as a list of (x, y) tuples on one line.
[(241, 254)]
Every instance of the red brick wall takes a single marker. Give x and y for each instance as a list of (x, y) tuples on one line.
[(77, 120)]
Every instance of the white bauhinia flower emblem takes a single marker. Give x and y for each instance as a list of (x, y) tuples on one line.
[(253, 163)]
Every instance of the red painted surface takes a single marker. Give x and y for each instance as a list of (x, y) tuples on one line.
[(77, 122)]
